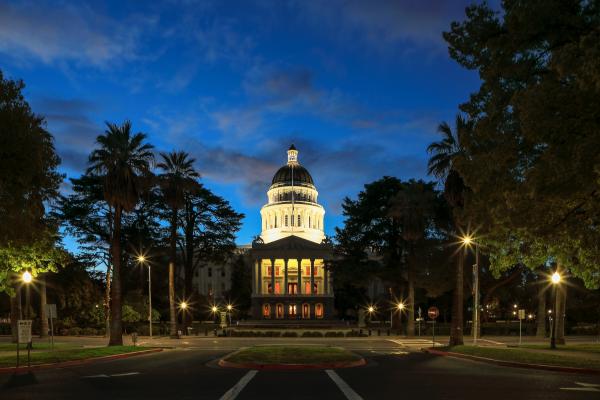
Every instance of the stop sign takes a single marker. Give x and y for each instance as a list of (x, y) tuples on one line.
[(433, 312)]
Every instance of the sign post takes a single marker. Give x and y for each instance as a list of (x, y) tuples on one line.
[(24, 336), (521, 318), (51, 313), (420, 319), (433, 313)]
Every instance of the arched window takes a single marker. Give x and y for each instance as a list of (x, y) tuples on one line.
[(266, 311), (319, 310), (279, 310), (306, 310)]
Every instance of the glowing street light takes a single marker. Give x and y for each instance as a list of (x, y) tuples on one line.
[(142, 260), (467, 241), (400, 306), (27, 277), (183, 305), (371, 309), (555, 279), (229, 307)]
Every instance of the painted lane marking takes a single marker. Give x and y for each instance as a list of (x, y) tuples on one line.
[(126, 374), (584, 387), (113, 375), (236, 390), (343, 386)]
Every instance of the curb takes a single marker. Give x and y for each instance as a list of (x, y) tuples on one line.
[(334, 365), (5, 370), (572, 370)]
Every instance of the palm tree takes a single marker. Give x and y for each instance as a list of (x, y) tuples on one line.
[(442, 165), (121, 159), (178, 178), (413, 207)]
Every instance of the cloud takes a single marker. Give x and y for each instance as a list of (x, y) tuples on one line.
[(68, 32), (381, 23), (73, 130)]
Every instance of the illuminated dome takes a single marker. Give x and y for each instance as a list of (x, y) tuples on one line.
[(292, 207)]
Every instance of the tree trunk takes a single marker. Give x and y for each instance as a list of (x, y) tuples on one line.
[(116, 323), (456, 330), (541, 310), (172, 255), (43, 301), (188, 286), (15, 313), (410, 323), (107, 301), (561, 302)]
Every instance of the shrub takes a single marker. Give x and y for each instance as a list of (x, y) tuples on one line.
[(290, 334), (88, 331), (312, 334), (74, 331), (271, 334), (334, 334)]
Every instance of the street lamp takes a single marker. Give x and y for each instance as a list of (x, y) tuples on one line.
[(229, 309), (27, 278), (555, 279), (467, 241), (142, 259)]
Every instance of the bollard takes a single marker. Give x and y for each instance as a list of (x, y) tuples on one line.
[(369, 332), (378, 332), (215, 332)]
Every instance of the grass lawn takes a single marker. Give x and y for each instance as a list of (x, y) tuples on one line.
[(586, 348), (530, 357), (292, 355), (46, 357), (37, 346)]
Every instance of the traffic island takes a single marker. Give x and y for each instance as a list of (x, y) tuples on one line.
[(543, 359), (286, 357), (62, 357)]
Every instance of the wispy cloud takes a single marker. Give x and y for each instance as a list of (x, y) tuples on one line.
[(382, 23), (68, 33)]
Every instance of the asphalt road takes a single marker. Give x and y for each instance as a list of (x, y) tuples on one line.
[(395, 370)]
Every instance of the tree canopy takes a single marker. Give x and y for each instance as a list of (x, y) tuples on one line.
[(531, 160)]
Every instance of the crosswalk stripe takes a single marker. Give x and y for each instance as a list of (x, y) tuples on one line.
[(343, 386), (238, 387)]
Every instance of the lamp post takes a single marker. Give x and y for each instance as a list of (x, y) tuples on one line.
[(229, 309), (142, 260), (555, 279), (400, 306), (467, 241)]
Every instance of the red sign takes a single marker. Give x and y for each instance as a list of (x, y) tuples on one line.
[(433, 312)]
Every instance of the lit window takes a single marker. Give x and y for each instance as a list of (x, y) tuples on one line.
[(266, 310), (319, 310), (307, 288), (279, 310), (277, 288), (305, 310)]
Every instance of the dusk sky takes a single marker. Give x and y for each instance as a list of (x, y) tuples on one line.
[(358, 86)]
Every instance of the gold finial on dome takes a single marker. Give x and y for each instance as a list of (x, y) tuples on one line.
[(292, 155)]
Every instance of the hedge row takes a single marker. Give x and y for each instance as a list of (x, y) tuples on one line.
[(239, 333)]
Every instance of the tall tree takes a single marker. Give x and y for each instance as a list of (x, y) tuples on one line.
[(178, 178), (121, 160), (442, 165), (209, 225), (535, 130), (414, 206)]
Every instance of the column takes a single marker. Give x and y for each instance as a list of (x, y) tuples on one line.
[(259, 285), (325, 279), (254, 286), (272, 276), (312, 276), (285, 274), (299, 261)]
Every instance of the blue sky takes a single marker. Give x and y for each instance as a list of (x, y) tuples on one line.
[(358, 86)]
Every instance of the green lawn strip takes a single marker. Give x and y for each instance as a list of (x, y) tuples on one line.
[(48, 357), (38, 346), (292, 355), (528, 357), (586, 348)]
